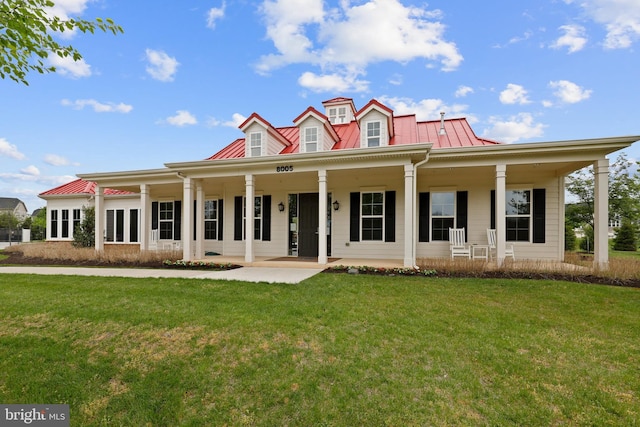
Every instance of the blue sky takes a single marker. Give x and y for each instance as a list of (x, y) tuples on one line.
[(183, 76)]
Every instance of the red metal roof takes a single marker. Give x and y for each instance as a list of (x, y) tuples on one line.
[(407, 130), (80, 186)]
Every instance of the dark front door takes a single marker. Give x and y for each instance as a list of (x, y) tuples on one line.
[(308, 225)]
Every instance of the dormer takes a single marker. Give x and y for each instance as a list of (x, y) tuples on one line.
[(261, 138), (316, 133), (376, 125), (339, 110)]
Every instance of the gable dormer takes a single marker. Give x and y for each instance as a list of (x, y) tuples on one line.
[(339, 110), (261, 138), (376, 124), (316, 132)]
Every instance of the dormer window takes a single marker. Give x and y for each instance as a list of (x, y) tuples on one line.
[(373, 134), (256, 144), (310, 139), (338, 115)]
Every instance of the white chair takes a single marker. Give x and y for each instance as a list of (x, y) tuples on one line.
[(153, 240), (491, 239), (457, 243)]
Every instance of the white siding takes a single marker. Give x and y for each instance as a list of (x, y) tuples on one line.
[(373, 116)]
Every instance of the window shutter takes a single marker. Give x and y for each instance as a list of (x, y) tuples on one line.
[(461, 212), (390, 216), (220, 218), (177, 219), (154, 215), (493, 210), (195, 220), (539, 202), (237, 218), (354, 220), (266, 218), (423, 218)]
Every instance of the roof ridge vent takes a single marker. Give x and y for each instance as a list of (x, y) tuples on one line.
[(442, 131)]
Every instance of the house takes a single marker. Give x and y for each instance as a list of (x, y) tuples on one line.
[(348, 183), (13, 206)]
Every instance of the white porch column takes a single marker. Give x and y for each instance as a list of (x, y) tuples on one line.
[(99, 218), (200, 221), (501, 235), (322, 216), (409, 232), (249, 214), (601, 214), (187, 219), (145, 217)]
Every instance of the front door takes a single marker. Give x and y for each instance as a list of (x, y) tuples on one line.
[(308, 225)]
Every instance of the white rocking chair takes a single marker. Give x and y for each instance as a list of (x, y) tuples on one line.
[(491, 239), (457, 243)]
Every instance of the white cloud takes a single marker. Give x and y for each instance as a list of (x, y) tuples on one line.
[(573, 38), (68, 67), (31, 170), (514, 94), (569, 92), (463, 91), (345, 40), (55, 160), (26, 176), (182, 118), (10, 150), (515, 128), (332, 82), (236, 120), (161, 66), (621, 19), (424, 109), (215, 14), (65, 9), (97, 106)]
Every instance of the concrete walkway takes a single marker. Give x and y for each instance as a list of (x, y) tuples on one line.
[(246, 274)]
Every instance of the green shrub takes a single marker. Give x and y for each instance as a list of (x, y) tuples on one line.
[(569, 237), (626, 238)]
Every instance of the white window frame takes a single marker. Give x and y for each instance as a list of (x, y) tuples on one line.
[(54, 223), (308, 139), (514, 214), (257, 217), (77, 220), (373, 134), (446, 211), (112, 224), (255, 144), (65, 223), (166, 218), (371, 215), (211, 216)]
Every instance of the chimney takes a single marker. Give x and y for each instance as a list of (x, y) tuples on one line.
[(442, 131)]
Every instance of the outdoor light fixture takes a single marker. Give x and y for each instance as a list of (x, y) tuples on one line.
[(281, 207), (336, 205)]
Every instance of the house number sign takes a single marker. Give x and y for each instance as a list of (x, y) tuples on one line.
[(284, 168)]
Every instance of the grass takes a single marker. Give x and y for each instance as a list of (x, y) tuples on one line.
[(335, 350)]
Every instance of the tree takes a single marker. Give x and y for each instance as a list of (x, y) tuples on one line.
[(26, 39), (39, 225), (569, 237), (624, 193), (626, 238), (10, 222), (84, 236)]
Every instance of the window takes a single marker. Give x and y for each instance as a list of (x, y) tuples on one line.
[(54, 223), (165, 222), (211, 219), (115, 225), (256, 144), (133, 225), (338, 115), (373, 134), (310, 139), (442, 215), (76, 220), (65, 223), (372, 216), (257, 217), (518, 215)]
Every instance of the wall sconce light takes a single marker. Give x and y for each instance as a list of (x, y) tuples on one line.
[(281, 207), (336, 205)]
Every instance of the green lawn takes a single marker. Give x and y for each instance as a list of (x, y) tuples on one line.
[(336, 350)]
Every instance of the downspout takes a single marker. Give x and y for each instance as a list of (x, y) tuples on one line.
[(415, 204)]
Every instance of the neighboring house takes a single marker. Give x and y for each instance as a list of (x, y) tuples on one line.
[(13, 206), (346, 183)]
